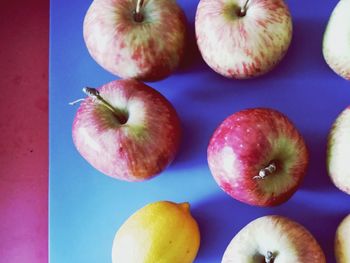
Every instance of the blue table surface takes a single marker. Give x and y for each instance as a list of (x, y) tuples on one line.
[(87, 208)]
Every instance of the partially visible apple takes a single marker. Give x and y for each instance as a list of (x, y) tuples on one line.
[(338, 152), (243, 38), (342, 241), (273, 239), (336, 44), (258, 157), (127, 130), (137, 39)]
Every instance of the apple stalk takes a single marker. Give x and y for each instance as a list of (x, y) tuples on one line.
[(270, 169), (138, 16), (95, 95), (243, 10), (269, 258)]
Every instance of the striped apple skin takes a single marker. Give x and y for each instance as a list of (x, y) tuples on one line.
[(149, 50), (336, 40), (137, 150), (289, 242), (243, 47), (338, 152), (248, 141)]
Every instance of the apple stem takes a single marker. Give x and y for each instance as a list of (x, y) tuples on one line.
[(138, 15), (266, 171), (269, 258), (95, 95), (244, 8), (75, 102)]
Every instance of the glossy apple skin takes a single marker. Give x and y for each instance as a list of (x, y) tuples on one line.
[(338, 152), (246, 142), (342, 241), (137, 150), (336, 45), (289, 241), (243, 47), (148, 50)]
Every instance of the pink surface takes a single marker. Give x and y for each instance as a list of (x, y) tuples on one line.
[(24, 131)]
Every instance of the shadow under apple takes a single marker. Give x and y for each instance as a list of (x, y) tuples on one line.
[(303, 62), (193, 146), (304, 57), (192, 59), (316, 177)]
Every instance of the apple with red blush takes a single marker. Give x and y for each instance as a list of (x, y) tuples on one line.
[(243, 38), (138, 39), (258, 157), (127, 130), (274, 239)]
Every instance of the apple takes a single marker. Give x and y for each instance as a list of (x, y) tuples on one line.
[(243, 38), (342, 241), (138, 39), (258, 157), (336, 45), (272, 239), (338, 152), (126, 130)]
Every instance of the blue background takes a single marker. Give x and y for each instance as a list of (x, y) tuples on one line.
[(87, 208)]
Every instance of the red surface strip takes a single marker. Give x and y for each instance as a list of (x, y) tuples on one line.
[(24, 131)]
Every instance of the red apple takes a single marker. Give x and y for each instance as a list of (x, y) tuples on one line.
[(127, 130), (258, 157), (243, 38), (272, 239), (137, 39)]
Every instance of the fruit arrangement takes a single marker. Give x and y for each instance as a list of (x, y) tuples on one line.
[(129, 131)]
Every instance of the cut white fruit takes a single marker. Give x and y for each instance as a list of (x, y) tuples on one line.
[(336, 41), (338, 153), (342, 241), (273, 239)]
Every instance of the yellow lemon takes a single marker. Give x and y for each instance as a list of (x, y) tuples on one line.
[(161, 232)]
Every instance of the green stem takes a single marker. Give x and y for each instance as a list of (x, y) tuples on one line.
[(95, 94)]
